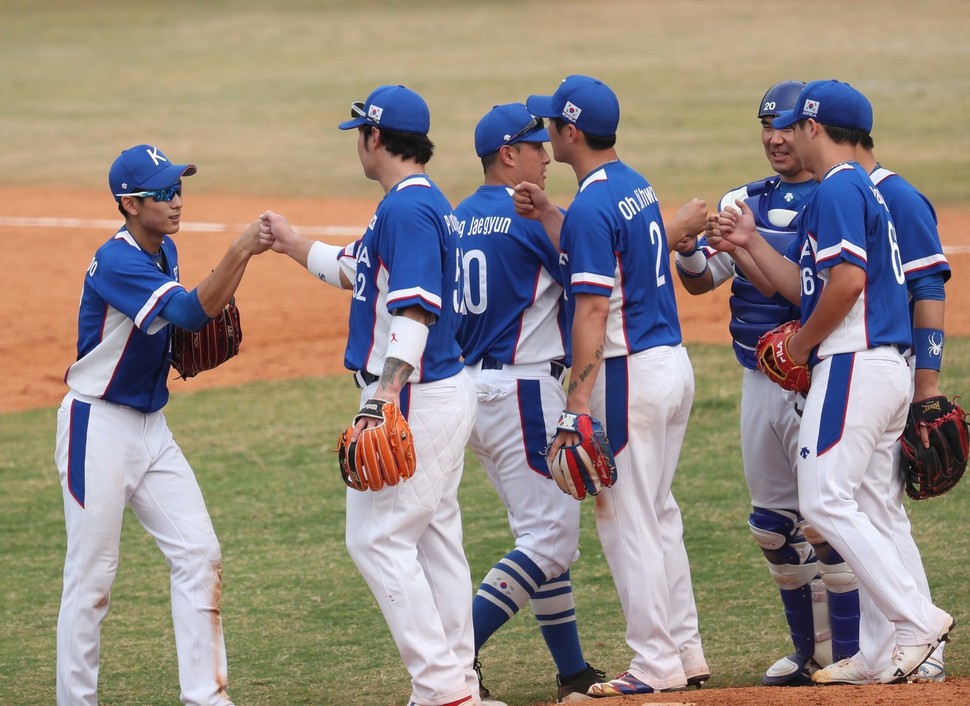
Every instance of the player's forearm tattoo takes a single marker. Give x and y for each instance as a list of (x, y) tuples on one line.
[(395, 369), (585, 372)]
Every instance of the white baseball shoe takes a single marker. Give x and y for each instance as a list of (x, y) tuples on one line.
[(793, 670), (931, 671), (907, 658), (842, 672)]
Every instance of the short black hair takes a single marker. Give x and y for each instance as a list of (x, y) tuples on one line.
[(595, 142), (844, 135), (489, 159), (405, 145)]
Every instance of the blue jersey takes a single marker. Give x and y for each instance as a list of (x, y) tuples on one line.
[(613, 244), (409, 256), (513, 285), (847, 221), (123, 344), (775, 205), (915, 221)]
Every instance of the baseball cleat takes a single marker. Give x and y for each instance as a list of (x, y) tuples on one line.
[(574, 687), (483, 691), (698, 680), (842, 672), (930, 671), (696, 671), (624, 684), (793, 670), (907, 658)]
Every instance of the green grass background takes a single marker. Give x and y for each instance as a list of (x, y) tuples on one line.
[(251, 92), (301, 626)]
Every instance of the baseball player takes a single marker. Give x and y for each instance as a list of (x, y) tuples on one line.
[(114, 448), (630, 371), (926, 270), (513, 343), (845, 256), (406, 280), (769, 422)]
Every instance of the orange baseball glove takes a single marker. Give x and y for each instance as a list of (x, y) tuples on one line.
[(381, 455)]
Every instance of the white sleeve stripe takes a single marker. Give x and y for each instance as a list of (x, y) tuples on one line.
[(830, 252), (424, 294), (592, 278), (153, 301), (924, 262), (854, 249)]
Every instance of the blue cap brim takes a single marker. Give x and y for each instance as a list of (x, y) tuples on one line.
[(168, 176), (540, 135), (541, 106), (786, 119), (352, 123)]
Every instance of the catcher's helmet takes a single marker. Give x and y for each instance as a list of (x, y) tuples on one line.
[(781, 96)]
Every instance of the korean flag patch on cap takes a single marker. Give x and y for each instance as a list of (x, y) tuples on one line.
[(571, 111)]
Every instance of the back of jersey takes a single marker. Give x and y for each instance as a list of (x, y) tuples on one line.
[(613, 243)]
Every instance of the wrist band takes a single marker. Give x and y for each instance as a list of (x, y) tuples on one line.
[(323, 261), (928, 345), (406, 340), (692, 265)]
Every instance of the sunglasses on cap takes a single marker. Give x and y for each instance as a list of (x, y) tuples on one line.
[(533, 124), (166, 194), (357, 110)]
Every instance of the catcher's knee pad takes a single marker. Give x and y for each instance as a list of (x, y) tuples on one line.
[(792, 566), (790, 558), (842, 589)]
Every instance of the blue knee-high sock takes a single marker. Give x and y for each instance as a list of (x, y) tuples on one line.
[(555, 612), (505, 589)]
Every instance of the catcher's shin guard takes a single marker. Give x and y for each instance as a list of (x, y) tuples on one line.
[(843, 596), (792, 566)]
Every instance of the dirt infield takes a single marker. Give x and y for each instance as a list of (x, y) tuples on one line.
[(292, 325), (950, 693)]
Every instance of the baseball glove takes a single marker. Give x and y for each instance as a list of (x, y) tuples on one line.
[(210, 346), (381, 455), (775, 362), (934, 471), (586, 467)]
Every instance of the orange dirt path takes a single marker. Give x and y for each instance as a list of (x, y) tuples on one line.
[(293, 326)]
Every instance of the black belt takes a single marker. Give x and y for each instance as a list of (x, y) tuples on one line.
[(556, 368), (362, 378)]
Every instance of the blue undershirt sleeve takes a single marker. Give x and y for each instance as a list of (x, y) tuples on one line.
[(183, 309), (929, 287)]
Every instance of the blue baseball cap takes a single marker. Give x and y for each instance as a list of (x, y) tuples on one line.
[(391, 107), (144, 168), (829, 102), (582, 100), (506, 125)]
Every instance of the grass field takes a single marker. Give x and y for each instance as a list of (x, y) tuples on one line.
[(251, 90), (300, 624)]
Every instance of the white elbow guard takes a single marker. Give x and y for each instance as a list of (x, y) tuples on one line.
[(406, 340), (693, 265), (323, 262)]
